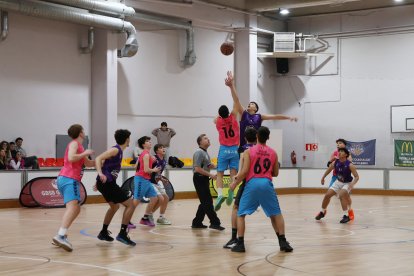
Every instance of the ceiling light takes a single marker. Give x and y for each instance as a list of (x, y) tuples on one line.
[(398, 1), (284, 11)]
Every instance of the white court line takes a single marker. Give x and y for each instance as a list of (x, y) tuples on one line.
[(73, 263)]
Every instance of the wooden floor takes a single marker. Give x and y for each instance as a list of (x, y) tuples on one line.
[(379, 242)]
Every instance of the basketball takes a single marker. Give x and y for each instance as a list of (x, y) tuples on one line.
[(227, 48)]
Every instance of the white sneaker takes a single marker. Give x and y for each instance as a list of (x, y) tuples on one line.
[(163, 221), (63, 242)]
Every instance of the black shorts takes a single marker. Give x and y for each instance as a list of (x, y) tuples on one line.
[(239, 193), (111, 191)]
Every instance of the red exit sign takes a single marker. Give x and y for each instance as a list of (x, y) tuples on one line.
[(311, 147)]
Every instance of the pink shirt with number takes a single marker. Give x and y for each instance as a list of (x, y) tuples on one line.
[(140, 171), (73, 169), (229, 131), (262, 161)]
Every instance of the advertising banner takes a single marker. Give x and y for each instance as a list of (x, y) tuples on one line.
[(403, 153), (363, 153)]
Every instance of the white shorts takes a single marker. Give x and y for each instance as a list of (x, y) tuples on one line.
[(159, 188), (337, 186)]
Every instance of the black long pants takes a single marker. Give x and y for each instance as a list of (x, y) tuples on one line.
[(201, 184)]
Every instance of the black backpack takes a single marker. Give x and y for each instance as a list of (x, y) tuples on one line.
[(175, 162)]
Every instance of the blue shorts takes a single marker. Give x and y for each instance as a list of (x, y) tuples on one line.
[(69, 188), (259, 191), (228, 157), (333, 179), (143, 188)]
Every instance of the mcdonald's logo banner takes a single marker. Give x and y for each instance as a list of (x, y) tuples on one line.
[(403, 153)]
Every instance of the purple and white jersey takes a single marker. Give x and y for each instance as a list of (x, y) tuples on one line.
[(343, 172), (161, 163), (112, 166), (246, 147), (254, 120)]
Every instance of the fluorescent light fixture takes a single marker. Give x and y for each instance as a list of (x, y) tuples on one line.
[(398, 1), (284, 11)]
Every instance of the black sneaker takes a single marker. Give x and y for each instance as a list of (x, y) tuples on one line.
[(239, 247), (199, 226), (217, 227), (105, 236), (125, 239), (230, 244), (320, 215), (345, 219), (285, 246)]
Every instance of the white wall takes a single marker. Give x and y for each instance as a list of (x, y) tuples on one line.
[(154, 87), (41, 74), (350, 96)]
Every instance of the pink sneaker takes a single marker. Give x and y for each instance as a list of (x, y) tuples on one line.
[(147, 222), (131, 226)]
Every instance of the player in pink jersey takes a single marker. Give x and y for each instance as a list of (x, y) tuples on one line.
[(68, 182), (228, 157), (142, 180), (260, 164)]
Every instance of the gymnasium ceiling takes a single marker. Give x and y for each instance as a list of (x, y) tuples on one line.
[(302, 7)]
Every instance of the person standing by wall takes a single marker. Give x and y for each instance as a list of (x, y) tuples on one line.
[(164, 135)]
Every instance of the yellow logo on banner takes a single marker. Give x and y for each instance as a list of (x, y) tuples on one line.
[(407, 147)]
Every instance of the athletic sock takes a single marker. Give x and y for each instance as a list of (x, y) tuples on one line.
[(105, 227), (123, 229), (345, 212), (233, 233), (220, 191), (240, 240), (281, 237), (323, 211), (62, 231), (161, 215), (145, 216)]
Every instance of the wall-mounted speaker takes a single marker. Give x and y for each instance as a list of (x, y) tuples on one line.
[(282, 65)]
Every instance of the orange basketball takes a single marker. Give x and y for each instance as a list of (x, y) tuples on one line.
[(227, 48)]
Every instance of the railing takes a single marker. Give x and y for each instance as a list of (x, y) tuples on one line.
[(11, 182)]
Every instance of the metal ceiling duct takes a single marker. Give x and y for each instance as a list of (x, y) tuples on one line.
[(111, 8), (62, 13), (171, 22), (4, 17)]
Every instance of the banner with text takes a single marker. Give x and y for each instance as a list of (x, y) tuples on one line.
[(403, 153), (363, 153)]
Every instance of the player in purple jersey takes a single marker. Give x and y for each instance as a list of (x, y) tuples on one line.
[(249, 115), (343, 184), (158, 184), (108, 165), (251, 138)]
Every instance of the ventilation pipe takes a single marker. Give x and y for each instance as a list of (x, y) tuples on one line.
[(62, 13), (170, 22), (4, 16), (111, 8), (91, 42), (190, 56)]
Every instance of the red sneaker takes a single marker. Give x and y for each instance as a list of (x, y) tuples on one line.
[(351, 214)]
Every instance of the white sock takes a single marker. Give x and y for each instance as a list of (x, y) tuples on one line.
[(62, 231), (220, 191), (345, 212), (161, 215), (323, 210)]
